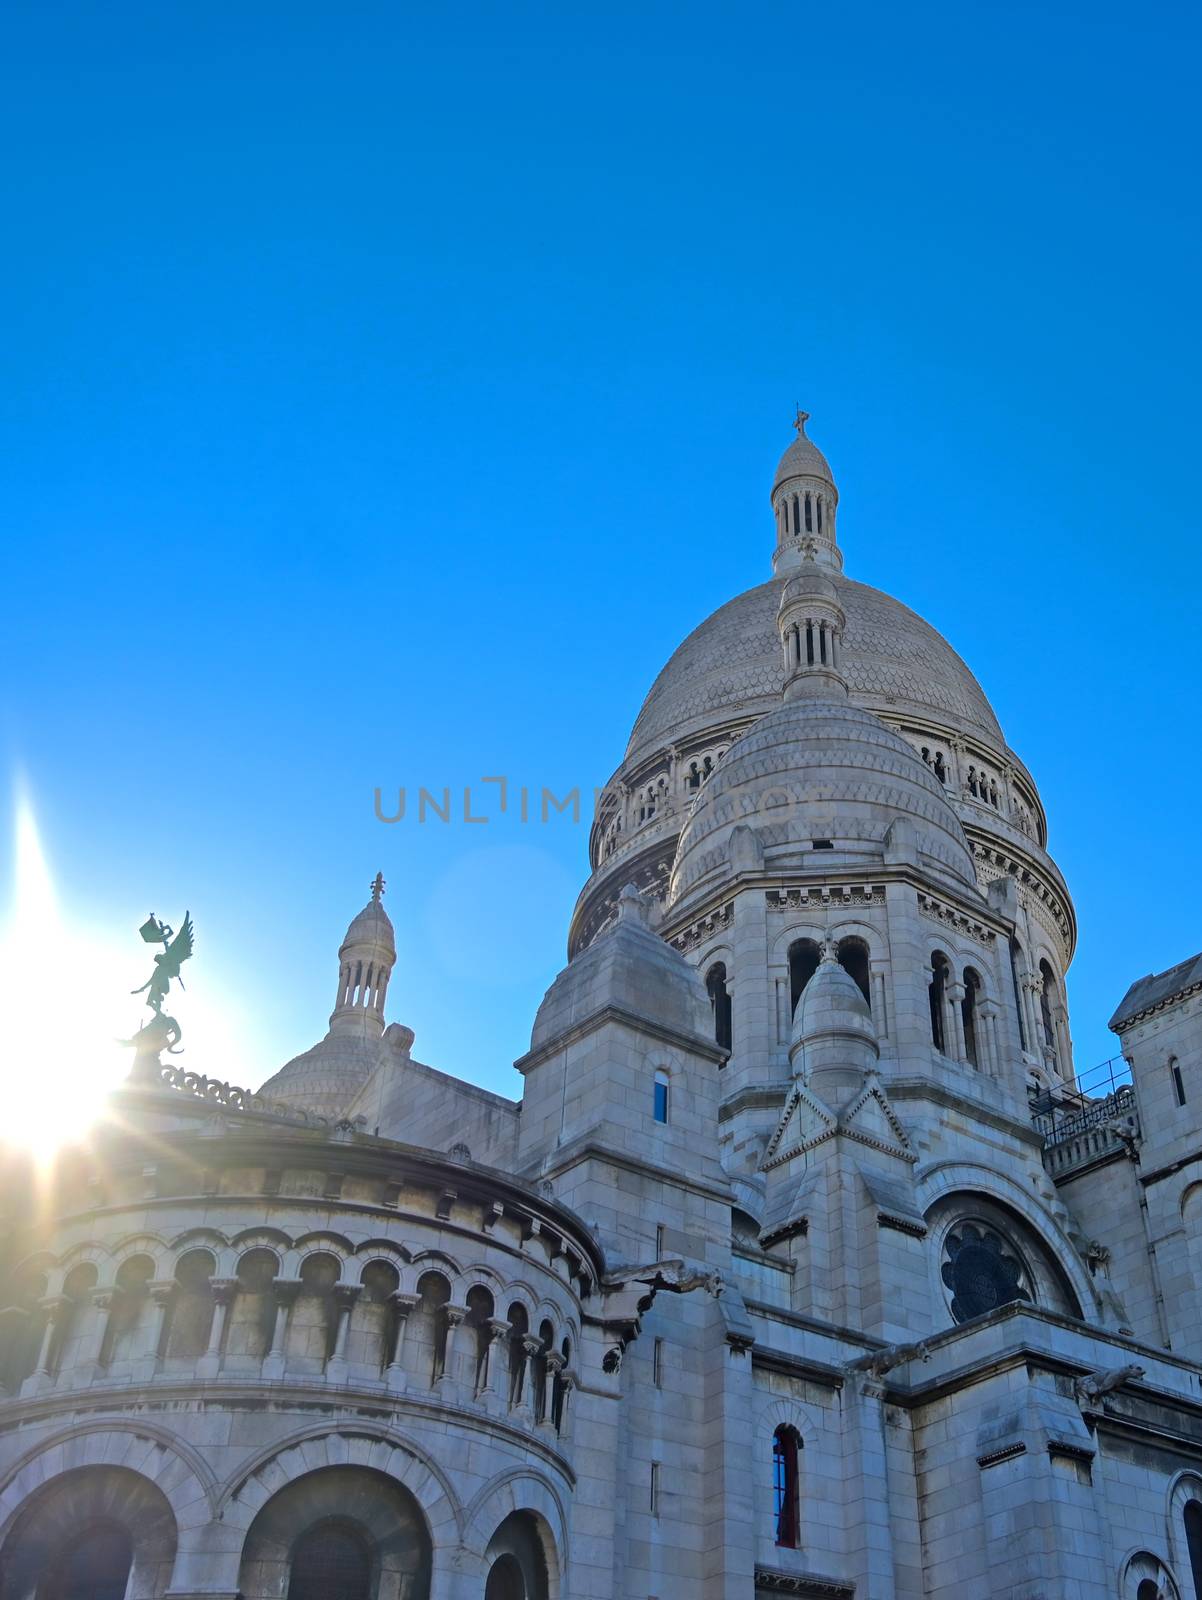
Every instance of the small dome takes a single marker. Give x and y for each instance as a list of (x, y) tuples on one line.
[(802, 459), (831, 1003), (818, 770), (326, 1078), (371, 926)]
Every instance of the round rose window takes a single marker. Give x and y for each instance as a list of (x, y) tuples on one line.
[(981, 1271)]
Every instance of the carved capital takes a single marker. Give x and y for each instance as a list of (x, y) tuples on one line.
[(224, 1290), (403, 1304)]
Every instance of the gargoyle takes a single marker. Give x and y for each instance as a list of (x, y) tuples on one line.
[(1090, 1389), (879, 1362)]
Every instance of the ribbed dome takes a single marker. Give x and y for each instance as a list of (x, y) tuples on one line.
[(818, 769), (731, 666), (831, 1003), (803, 459), (372, 926), (327, 1078)]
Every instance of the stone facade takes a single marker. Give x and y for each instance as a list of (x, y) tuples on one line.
[(804, 1264)]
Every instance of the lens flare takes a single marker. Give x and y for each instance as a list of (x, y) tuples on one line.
[(65, 1005)]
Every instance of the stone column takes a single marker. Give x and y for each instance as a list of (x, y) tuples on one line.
[(555, 1364), (224, 1290), (987, 1040), (162, 1293), (880, 1007), (284, 1291), (1030, 987), (41, 1376), (447, 1379), (567, 1382), (523, 1407), (102, 1306), (953, 1024), (345, 1294), (494, 1356), (394, 1370)]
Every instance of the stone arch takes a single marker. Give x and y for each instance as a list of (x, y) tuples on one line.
[(145, 1447), (1183, 1487), (521, 1490), (437, 1261), (142, 1244), (382, 1515), (485, 1276), (83, 1498), (262, 1238), (944, 1178), (1140, 1567), (365, 1445)]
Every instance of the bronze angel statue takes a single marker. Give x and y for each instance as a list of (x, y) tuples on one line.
[(177, 947)]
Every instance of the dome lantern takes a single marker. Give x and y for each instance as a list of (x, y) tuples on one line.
[(804, 498), (810, 622), (365, 962)]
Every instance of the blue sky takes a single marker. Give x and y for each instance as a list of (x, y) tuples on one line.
[(389, 388)]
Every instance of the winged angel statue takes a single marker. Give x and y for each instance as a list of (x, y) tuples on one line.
[(161, 1032)]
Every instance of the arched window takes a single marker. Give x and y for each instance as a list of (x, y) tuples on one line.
[(715, 987), (479, 1316), (661, 1095), (313, 1321), (1178, 1083), (331, 1561), (809, 514), (968, 1011), (94, 1566), (519, 1327), (192, 1313), (786, 1507), (433, 1293), (804, 956), (937, 991), (1192, 1518), (122, 1338), (853, 958), (1047, 994)]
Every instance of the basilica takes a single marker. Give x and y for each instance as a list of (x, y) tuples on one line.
[(801, 1260)]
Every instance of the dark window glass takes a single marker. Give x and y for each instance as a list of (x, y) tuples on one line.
[(715, 983), (1192, 1518), (784, 1487), (661, 1098)]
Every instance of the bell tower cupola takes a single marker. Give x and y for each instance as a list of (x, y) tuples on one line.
[(810, 622), (804, 499), (365, 963)]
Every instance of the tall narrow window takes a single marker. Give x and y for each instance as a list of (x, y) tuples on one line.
[(653, 1499), (331, 1559), (786, 1509), (661, 1096), (1192, 1517), (853, 958), (804, 956), (657, 1363), (1015, 958), (937, 991), (968, 1011), (1178, 1085), (1047, 994), (809, 515), (715, 985), (94, 1566)]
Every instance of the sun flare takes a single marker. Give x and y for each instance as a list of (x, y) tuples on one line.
[(66, 1005)]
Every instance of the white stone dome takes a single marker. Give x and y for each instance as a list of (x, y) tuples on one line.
[(327, 1077), (803, 459), (731, 666), (372, 926), (818, 769)]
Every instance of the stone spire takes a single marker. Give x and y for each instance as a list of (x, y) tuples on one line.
[(804, 498), (365, 962)]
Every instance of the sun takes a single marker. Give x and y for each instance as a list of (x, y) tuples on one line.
[(61, 1010)]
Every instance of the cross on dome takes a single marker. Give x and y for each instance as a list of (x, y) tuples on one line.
[(800, 420), (377, 888)]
